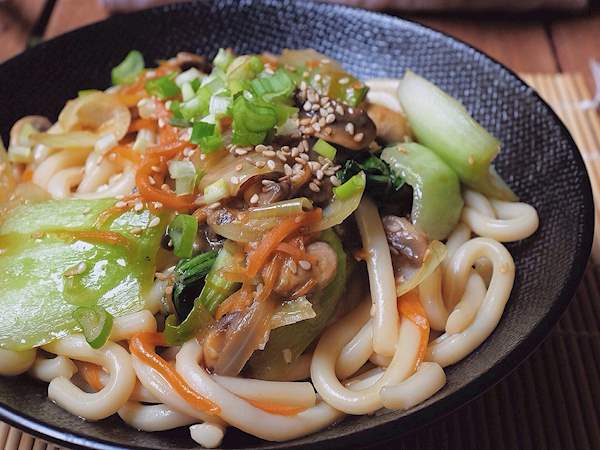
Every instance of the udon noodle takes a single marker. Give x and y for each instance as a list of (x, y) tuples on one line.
[(334, 294)]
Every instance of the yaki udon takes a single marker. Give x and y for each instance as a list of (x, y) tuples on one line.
[(214, 243)]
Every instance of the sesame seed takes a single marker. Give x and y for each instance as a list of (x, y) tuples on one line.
[(287, 355), (287, 169), (267, 182), (260, 148), (259, 164), (271, 164), (297, 167), (322, 122), (309, 130), (241, 151), (319, 174), (323, 112), (304, 156), (214, 205), (358, 137), (305, 121), (471, 160), (239, 167), (293, 266), (138, 206), (303, 85), (306, 265), (295, 152), (234, 180), (87, 210), (344, 80), (314, 165), (307, 106), (151, 180), (334, 180), (165, 187), (315, 107), (254, 199), (324, 100), (349, 128), (269, 153), (313, 119), (317, 77), (157, 205), (282, 156), (328, 131), (154, 222), (316, 127), (283, 178), (300, 161), (339, 109), (120, 204), (313, 187), (112, 156), (155, 169), (330, 118), (119, 197)]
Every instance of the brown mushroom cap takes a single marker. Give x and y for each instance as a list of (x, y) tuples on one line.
[(392, 126)]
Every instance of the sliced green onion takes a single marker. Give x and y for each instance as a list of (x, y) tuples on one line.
[(216, 191), (163, 87), (182, 232), (128, 70), (20, 154), (351, 187), (96, 324), (175, 107), (185, 176), (206, 136), (286, 208), (197, 106), (219, 104), (188, 76), (325, 149), (223, 58), (241, 70), (180, 123), (187, 92), (275, 87), (252, 116)]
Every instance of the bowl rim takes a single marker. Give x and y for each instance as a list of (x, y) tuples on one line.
[(382, 431)]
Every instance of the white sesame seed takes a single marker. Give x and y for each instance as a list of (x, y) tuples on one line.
[(319, 174), (300, 161), (165, 187), (322, 122), (313, 187), (306, 265), (241, 151), (316, 127), (358, 137), (260, 148), (287, 169), (287, 355), (239, 167), (154, 222), (254, 199), (267, 182), (271, 164), (324, 101), (282, 156), (317, 77), (330, 118), (305, 121), (339, 110), (349, 128), (234, 180), (259, 164), (344, 80), (87, 210), (334, 180), (138, 206), (295, 152), (315, 107), (307, 106), (157, 205), (269, 153), (304, 156), (151, 180), (76, 270)]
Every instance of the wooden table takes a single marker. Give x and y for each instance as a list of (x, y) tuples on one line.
[(536, 43)]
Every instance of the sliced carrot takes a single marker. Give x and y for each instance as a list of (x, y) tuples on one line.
[(27, 175), (152, 192), (273, 408), (142, 345), (167, 151), (102, 237), (305, 288), (91, 374), (124, 153), (237, 301), (410, 307), (270, 241), (270, 277), (139, 124)]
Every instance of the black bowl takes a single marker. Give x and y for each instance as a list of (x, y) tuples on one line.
[(539, 160)]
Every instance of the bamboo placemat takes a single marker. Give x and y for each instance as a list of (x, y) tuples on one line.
[(552, 401)]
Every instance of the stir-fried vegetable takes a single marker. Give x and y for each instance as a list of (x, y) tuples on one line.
[(383, 184), (96, 324), (182, 231), (189, 281), (54, 247), (437, 201), (216, 289), (270, 363), (128, 69), (441, 123), (163, 87)]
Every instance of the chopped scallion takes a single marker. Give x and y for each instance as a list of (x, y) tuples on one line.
[(206, 136), (350, 187), (96, 324), (182, 232), (184, 174), (128, 70), (162, 87), (223, 58), (188, 76), (325, 149), (216, 191)]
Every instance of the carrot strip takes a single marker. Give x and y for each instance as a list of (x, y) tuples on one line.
[(305, 288), (142, 345), (237, 301), (102, 237), (273, 408), (139, 124), (167, 151), (91, 374), (124, 152), (273, 238), (410, 307), (153, 193), (270, 278)]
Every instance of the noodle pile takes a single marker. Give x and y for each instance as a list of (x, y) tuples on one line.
[(387, 349)]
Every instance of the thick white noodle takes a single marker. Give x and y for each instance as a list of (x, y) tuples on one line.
[(243, 415), (47, 369), (125, 327), (15, 363), (162, 390), (448, 349), (466, 309), (383, 91), (381, 278), (116, 392), (356, 352), (426, 381), (153, 300), (153, 417), (97, 172), (289, 393), (515, 220), (57, 162), (121, 185), (139, 394), (430, 294), (61, 183), (208, 435), (327, 352)]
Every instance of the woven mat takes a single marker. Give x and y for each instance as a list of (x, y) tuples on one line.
[(552, 401)]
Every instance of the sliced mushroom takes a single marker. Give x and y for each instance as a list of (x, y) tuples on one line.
[(19, 133), (266, 195), (405, 239), (391, 126), (293, 275)]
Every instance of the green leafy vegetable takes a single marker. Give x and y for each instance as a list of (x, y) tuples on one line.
[(128, 70), (96, 324), (189, 280), (182, 232), (383, 184)]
